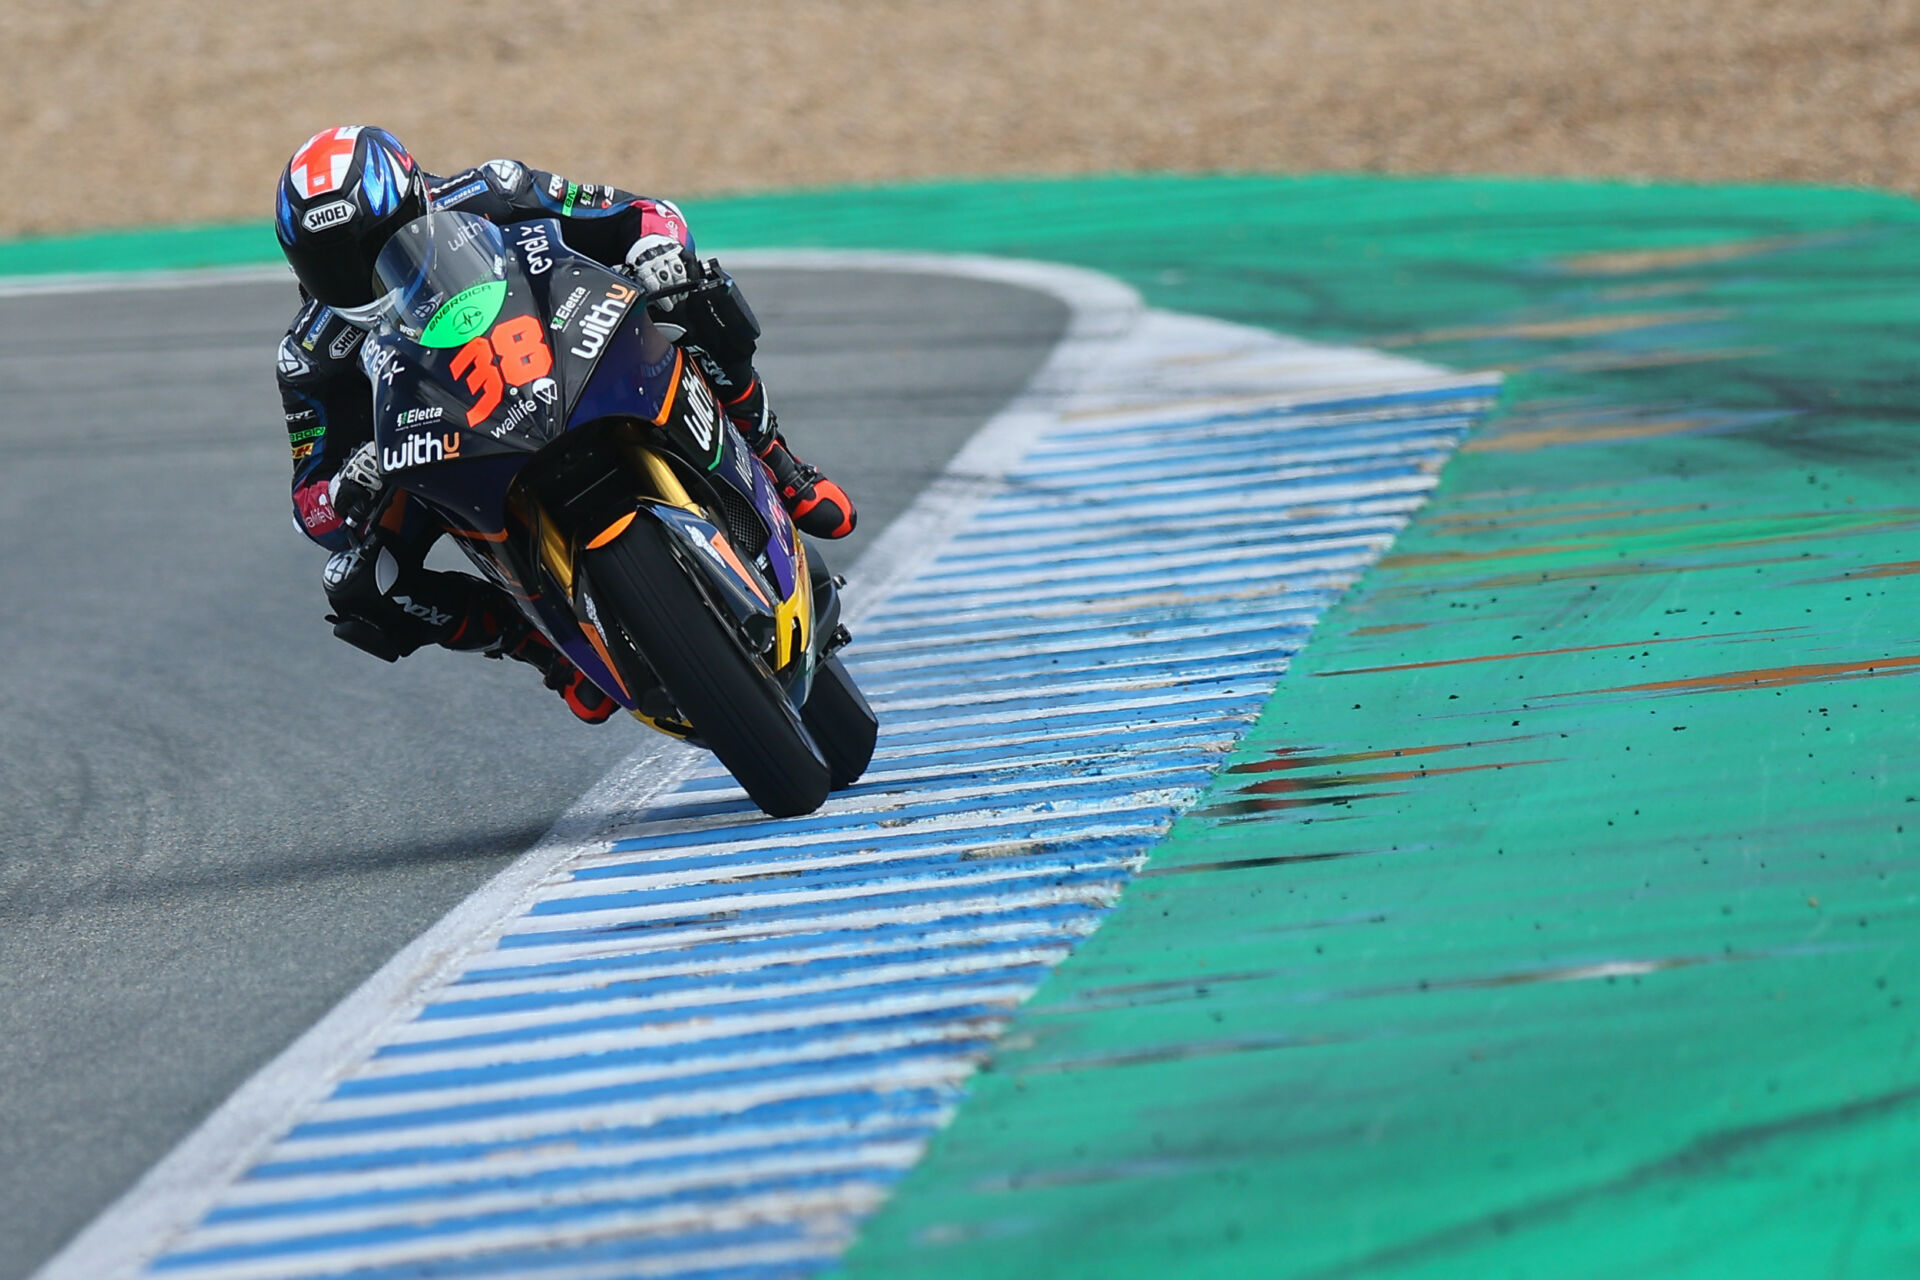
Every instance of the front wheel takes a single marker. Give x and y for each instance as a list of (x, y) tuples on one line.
[(838, 717), (732, 703)]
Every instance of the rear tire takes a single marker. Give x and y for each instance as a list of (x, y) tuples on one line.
[(841, 722), (738, 710)]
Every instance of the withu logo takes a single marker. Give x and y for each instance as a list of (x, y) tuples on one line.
[(598, 322), (418, 451)]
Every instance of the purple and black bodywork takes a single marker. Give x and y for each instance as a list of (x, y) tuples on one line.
[(522, 392)]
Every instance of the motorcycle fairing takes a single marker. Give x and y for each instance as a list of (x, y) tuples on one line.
[(473, 499), (605, 359), (721, 565), (595, 325), (492, 401)]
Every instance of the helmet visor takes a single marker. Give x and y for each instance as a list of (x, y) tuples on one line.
[(440, 279)]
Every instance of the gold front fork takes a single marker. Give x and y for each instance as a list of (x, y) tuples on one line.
[(659, 473)]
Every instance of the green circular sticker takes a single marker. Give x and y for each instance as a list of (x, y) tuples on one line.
[(465, 314)]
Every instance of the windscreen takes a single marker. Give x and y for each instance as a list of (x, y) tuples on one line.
[(442, 279)]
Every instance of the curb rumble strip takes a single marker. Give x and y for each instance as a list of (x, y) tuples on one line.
[(676, 1039)]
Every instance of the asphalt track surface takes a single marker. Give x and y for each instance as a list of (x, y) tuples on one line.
[(215, 819)]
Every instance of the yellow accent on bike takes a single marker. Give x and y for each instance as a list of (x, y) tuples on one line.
[(795, 613), (672, 728)]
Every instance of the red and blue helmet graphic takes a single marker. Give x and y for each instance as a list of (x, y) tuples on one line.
[(344, 192), (340, 175)]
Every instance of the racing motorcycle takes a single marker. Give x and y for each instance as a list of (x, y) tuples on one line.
[(581, 461)]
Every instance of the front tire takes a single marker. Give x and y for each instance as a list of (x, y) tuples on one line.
[(736, 708), (841, 722)]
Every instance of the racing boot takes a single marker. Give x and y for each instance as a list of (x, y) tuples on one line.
[(582, 696), (817, 504), (498, 631)]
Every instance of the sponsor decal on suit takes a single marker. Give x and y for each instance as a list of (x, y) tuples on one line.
[(454, 197), (315, 507), (321, 319), (425, 612)]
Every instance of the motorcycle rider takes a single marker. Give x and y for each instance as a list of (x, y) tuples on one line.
[(344, 192)]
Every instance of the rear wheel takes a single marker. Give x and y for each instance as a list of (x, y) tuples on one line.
[(841, 722), (737, 709)]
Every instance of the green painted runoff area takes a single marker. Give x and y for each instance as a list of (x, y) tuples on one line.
[(1558, 916)]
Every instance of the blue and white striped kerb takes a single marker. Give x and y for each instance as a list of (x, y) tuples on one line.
[(714, 1042)]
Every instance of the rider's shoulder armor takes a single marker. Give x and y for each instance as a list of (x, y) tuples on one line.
[(509, 177), (319, 345), (496, 190)]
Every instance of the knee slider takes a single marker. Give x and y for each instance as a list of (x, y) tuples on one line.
[(367, 638)]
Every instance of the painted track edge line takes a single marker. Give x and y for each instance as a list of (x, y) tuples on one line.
[(175, 1192), (173, 1195)]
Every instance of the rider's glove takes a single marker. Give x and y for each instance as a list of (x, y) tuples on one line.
[(355, 489), (660, 263)]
